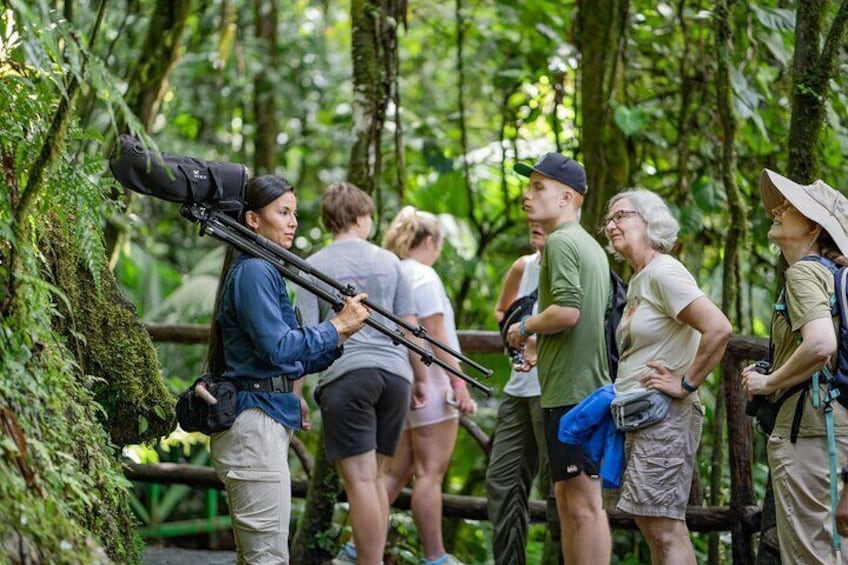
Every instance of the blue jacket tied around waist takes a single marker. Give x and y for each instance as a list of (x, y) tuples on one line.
[(590, 426)]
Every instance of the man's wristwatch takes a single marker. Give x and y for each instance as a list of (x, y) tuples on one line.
[(522, 329)]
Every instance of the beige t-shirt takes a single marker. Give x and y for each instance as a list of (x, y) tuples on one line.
[(809, 287), (649, 329)]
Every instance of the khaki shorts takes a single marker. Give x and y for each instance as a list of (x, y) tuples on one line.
[(436, 409), (660, 462)]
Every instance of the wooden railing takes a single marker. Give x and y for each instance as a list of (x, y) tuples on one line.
[(741, 517)]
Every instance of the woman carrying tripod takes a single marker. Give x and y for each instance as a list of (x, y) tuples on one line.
[(258, 343)]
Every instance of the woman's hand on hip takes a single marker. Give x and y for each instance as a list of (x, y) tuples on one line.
[(662, 379)]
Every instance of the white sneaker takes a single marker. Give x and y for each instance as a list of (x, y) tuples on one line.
[(345, 556), (447, 559)]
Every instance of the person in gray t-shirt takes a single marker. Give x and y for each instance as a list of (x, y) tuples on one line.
[(364, 397)]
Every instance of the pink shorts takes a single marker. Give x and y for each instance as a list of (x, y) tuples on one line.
[(437, 409)]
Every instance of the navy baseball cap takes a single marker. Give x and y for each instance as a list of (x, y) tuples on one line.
[(558, 167)]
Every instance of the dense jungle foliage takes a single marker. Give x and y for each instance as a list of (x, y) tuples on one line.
[(689, 98)]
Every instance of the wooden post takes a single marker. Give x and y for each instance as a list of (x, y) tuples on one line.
[(739, 438)]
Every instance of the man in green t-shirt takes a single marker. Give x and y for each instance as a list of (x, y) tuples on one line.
[(572, 358)]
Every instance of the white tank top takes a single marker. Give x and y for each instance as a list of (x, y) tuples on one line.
[(526, 385)]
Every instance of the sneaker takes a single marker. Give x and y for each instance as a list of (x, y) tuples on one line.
[(446, 559), (346, 555)]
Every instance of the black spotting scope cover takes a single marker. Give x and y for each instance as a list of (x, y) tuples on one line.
[(178, 178)]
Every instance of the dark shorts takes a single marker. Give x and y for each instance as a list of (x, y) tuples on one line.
[(567, 461), (362, 411)]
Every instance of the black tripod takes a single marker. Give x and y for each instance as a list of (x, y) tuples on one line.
[(224, 228)]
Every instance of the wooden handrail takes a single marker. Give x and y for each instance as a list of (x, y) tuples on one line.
[(470, 341), (698, 518)]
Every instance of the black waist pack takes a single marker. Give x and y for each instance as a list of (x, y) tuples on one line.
[(196, 415)]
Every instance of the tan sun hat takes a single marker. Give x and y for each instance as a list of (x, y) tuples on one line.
[(818, 202)]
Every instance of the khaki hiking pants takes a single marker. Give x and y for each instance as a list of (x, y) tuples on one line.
[(251, 459), (801, 481)]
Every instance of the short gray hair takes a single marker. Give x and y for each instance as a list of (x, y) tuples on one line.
[(661, 226)]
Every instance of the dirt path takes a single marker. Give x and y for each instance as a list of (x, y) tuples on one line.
[(175, 556)]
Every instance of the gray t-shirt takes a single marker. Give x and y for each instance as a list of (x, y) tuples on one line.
[(378, 273)]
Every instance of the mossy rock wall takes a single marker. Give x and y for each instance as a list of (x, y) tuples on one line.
[(78, 378), (63, 497), (112, 345)]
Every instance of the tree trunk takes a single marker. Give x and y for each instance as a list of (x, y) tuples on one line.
[(742, 488), (601, 35), (374, 50), (160, 53), (459, 18), (51, 149), (148, 83), (313, 542), (63, 497), (264, 102), (812, 70)]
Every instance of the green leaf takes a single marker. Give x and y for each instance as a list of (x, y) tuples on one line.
[(704, 192), (778, 19), (629, 120), (142, 424), (159, 411), (775, 44)]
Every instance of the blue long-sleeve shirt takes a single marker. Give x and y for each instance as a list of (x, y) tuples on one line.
[(262, 338)]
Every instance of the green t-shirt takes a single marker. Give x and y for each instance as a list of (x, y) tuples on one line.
[(809, 287), (575, 273)]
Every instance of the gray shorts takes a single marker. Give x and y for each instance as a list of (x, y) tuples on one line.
[(363, 410), (660, 463)]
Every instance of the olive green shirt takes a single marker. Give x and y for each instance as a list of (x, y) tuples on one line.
[(809, 286), (575, 273)]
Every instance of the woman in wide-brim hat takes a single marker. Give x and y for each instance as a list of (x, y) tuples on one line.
[(808, 221)]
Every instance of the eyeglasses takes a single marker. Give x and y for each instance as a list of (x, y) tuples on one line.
[(618, 217)]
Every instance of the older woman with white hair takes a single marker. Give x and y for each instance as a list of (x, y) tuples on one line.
[(810, 226), (670, 338)]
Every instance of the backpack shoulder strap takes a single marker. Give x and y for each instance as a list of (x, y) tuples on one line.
[(823, 261), (838, 307), (781, 308)]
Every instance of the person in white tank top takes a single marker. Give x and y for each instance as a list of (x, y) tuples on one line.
[(518, 452)]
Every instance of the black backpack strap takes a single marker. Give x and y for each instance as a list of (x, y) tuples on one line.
[(782, 310), (799, 412)]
